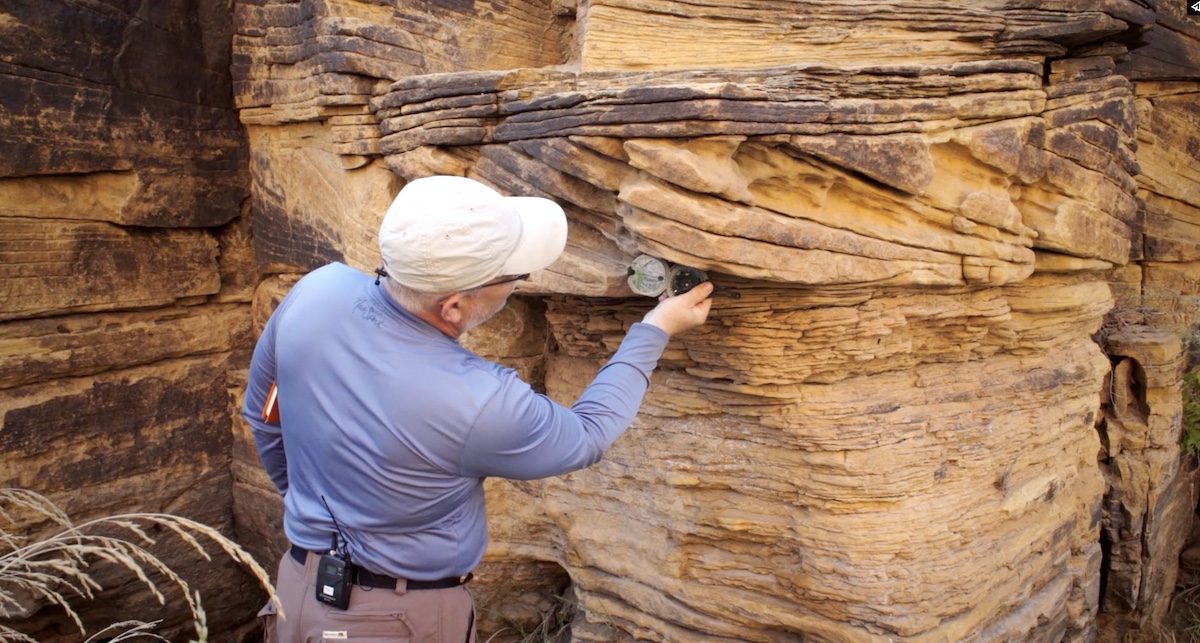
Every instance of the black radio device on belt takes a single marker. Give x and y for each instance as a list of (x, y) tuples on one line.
[(337, 573)]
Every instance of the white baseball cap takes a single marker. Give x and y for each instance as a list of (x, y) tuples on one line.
[(450, 233)]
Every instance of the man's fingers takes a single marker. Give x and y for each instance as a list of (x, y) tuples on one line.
[(700, 292)]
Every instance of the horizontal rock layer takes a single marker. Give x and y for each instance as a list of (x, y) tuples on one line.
[(672, 34), (801, 174), (134, 124), (66, 266), (299, 61), (846, 506), (91, 433), (126, 270)]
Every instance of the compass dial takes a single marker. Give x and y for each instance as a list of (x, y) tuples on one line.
[(684, 278), (648, 276)]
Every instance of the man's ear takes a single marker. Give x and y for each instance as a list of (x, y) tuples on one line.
[(451, 309)]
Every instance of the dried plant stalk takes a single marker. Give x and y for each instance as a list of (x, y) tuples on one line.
[(56, 569)]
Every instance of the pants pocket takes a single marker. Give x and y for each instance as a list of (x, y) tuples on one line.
[(366, 639), (267, 616), (366, 628)]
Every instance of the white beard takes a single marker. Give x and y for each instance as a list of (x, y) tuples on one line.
[(473, 320)]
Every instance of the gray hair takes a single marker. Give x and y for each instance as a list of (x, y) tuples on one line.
[(417, 301)]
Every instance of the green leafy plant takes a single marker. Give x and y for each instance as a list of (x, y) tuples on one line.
[(58, 569), (1191, 412)]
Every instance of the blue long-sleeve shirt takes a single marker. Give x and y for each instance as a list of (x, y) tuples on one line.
[(396, 425)]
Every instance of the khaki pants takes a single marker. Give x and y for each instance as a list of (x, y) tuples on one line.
[(374, 616)]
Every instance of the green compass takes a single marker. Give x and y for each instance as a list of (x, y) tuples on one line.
[(648, 276)]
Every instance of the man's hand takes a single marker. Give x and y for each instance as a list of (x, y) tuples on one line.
[(682, 312)]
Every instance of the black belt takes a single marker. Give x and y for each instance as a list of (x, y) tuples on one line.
[(369, 579)]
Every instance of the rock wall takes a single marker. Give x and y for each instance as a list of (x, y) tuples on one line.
[(944, 408), (905, 428), (126, 274), (1151, 502), (1152, 499)]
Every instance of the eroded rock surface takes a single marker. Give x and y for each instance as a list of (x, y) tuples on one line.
[(897, 432), (126, 273), (906, 428)]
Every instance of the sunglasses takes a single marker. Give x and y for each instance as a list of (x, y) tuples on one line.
[(502, 280), (497, 282)]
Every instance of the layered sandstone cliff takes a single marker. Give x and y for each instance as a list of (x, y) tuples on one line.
[(126, 273), (944, 408), (904, 428)]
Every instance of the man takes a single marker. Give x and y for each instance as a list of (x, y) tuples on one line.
[(388, 427)]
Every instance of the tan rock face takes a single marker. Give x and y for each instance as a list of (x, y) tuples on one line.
[(795, 505), (1151, 504), (898, 431), (1151, 490), (955, 185), (905, 428), (66, 266), (669, 34), (126, 273)]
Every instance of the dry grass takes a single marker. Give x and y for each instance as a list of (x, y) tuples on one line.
[(1185, 612), (57, 569), (553, 627), (1183, 621)]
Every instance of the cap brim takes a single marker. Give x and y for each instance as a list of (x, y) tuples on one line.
[(543, 235)]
